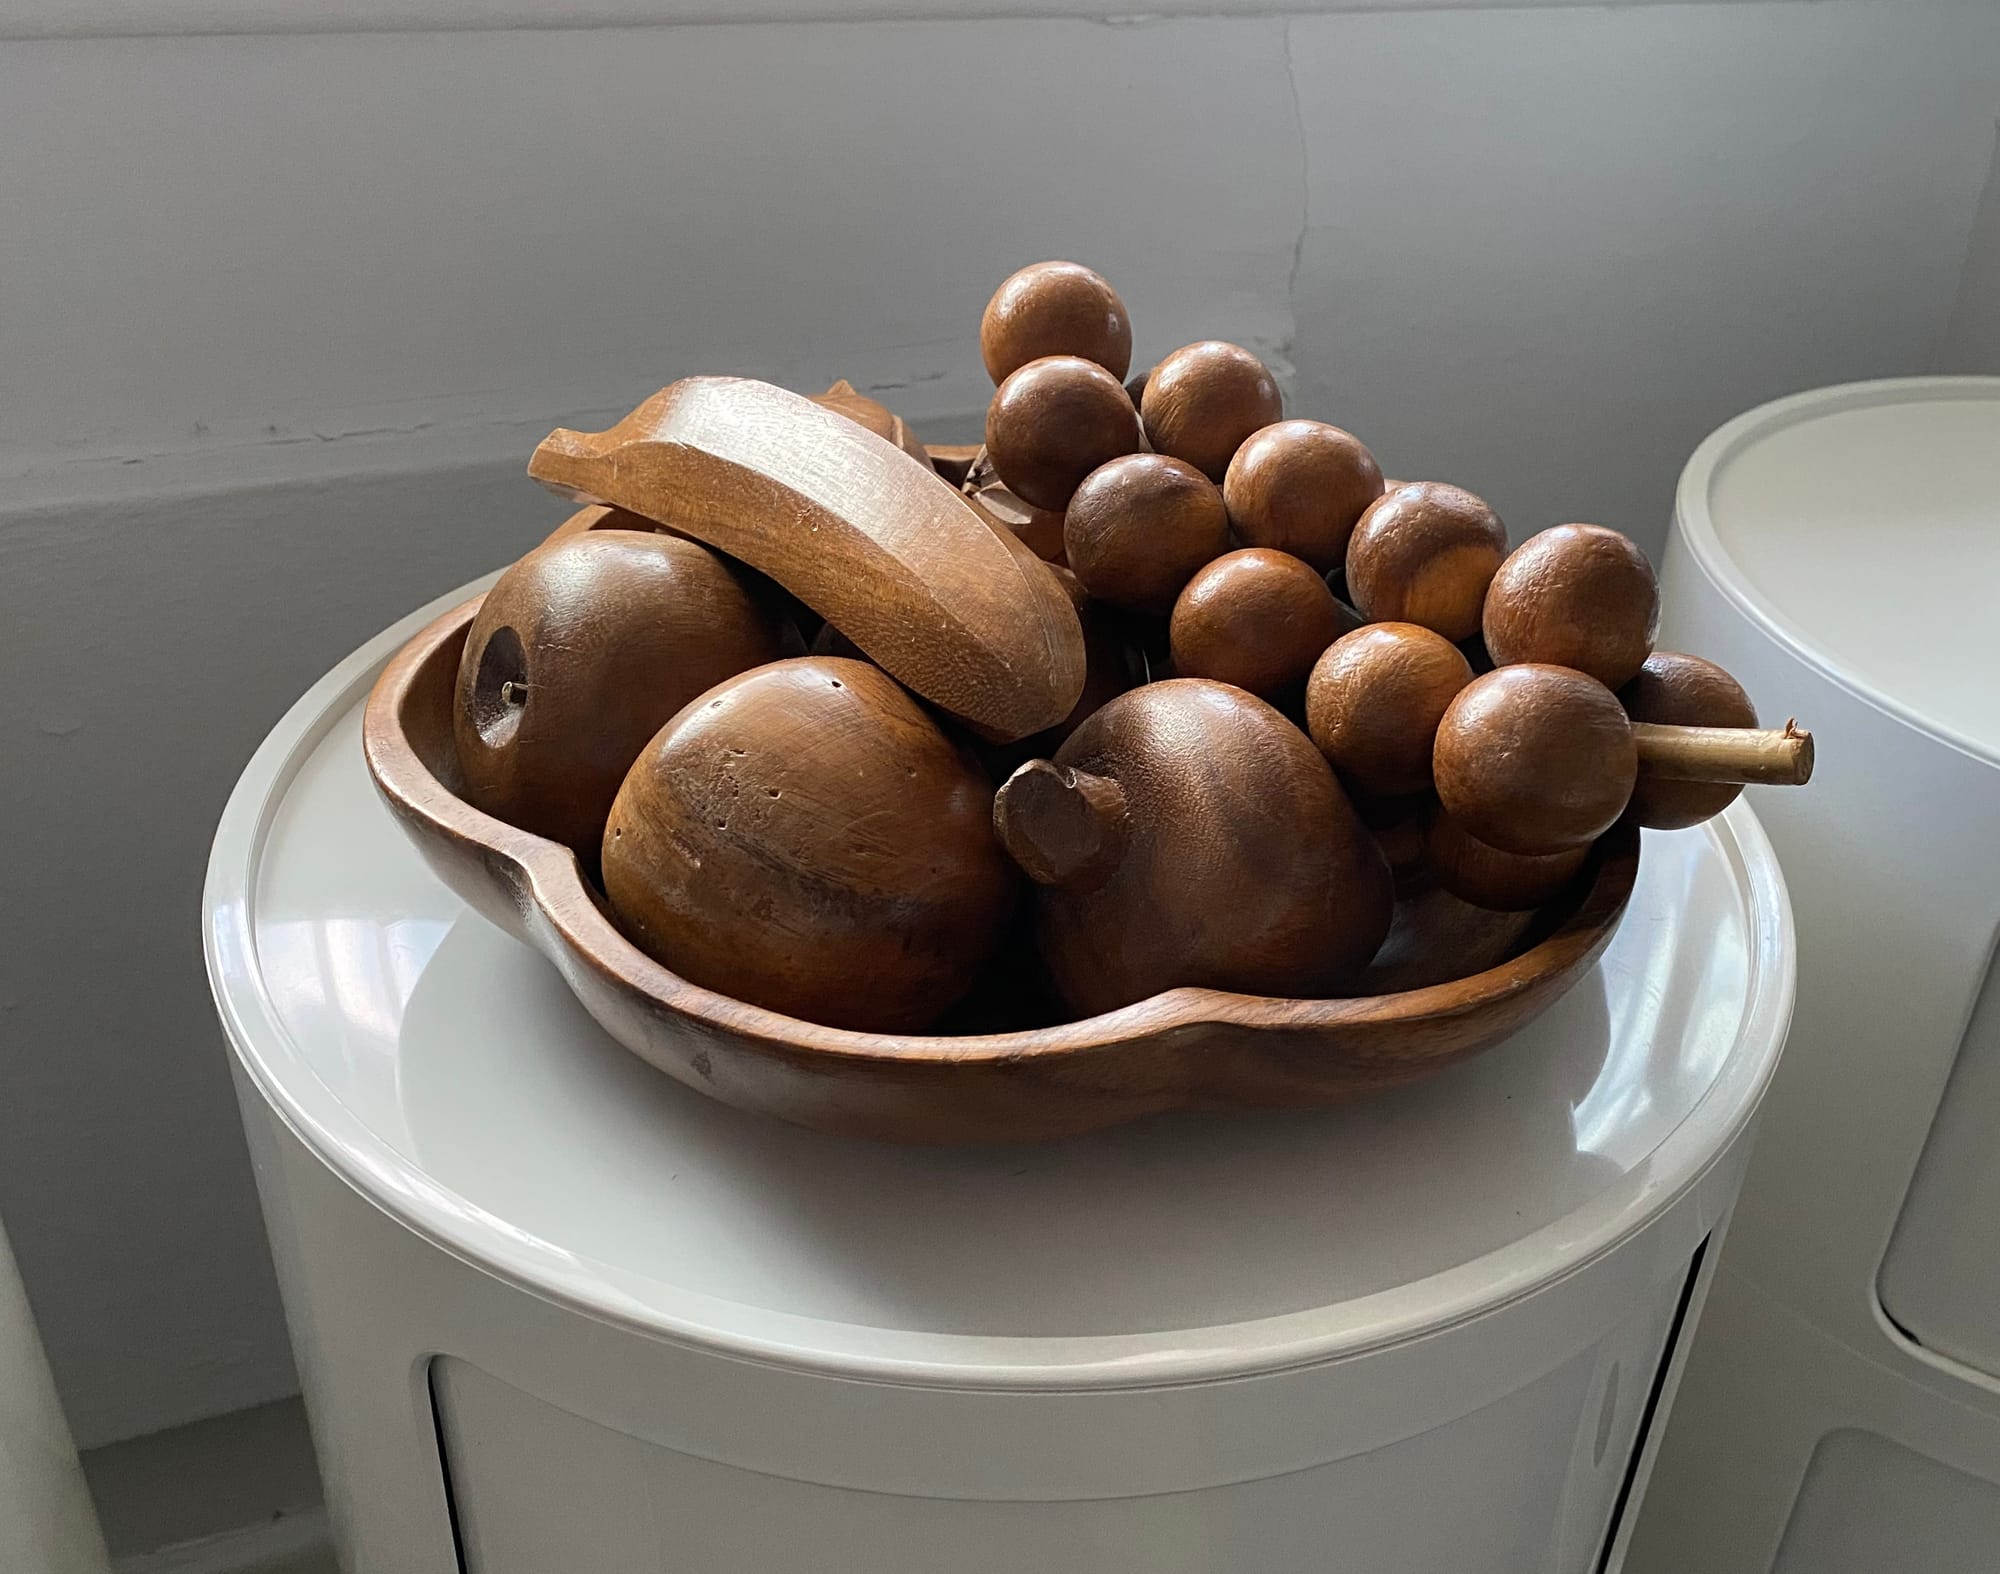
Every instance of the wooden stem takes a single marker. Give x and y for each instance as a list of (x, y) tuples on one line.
[(1774, 758), (1063, 827)]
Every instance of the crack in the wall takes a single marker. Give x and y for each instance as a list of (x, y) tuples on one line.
[(1969, 340), (1288, 348)]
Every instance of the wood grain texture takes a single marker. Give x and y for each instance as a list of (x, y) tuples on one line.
[(1138, 528), (1241, 864), (955, 461), (1054, 308), (1256, 618), (1576, 596), (581, 652), (875, 416), (1203, 401), (1301, 487), (1487, 877), (1535, 759), (1038, 529), (596, 516), (1053, 422), (1188, 1048), (1425, 553), (1374, 701), (874, 542), (1772, 757), (803, 837), (1436, 937), (1063, 827), (1681, 690)]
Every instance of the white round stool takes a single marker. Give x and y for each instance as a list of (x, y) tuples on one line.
[(1840, 553), (555, 1312)]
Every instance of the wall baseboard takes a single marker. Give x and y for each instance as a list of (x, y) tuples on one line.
[(35, 19), (298, 1543), (232, 1494)]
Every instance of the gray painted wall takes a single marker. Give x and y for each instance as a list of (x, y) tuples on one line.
[(280, 316), (1972, 337)]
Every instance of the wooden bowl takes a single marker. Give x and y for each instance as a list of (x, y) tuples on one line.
[(1184, 1049)]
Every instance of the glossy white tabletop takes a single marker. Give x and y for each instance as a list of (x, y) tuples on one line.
[(446, 1071), (1861, 525)]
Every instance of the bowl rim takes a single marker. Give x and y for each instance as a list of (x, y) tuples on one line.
[(550, 872)]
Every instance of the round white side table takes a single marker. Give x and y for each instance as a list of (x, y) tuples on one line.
[(554, 1311), (1839, 551)]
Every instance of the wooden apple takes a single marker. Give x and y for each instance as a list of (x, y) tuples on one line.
[(580, 653)]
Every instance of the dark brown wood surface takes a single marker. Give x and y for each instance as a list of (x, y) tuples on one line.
[(1189, 1048), (1054, 308), (804, 838), (1425, 553), (1374, 701), (1535, 759), (874, 542), (1256, 618), (581, 652), (874, 415), (1038, 529), (1053, 422), (1487, 877), (1204, 400), (1681, 690), (1139, 527), (1301, 487), (1240, 862), (1575, 596)]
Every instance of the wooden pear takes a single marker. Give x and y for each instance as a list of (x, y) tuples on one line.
[(1187, 833)]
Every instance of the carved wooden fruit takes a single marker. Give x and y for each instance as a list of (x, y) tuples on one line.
[(1053, 422), (1487, 877), (1301, 487), (1194, 1049), (1575, 596), (1534, 759), (1256, 618), (1374, 701), (1684, 691), (1188, 834), (1139, 527), (803, 837), (875, 543), (1055, 308), (875, 416), (1436, 937), (580, 653), (1038, 529), (1203, 400), (1398, 826), (596, 517), (1425, 553), (1537, 759)]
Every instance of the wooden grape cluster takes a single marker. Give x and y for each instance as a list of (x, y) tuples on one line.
[(1242, 694)]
